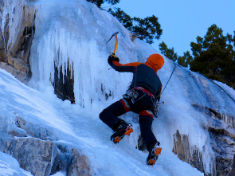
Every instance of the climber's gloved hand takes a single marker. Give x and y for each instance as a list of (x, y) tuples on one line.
[(112, 58)]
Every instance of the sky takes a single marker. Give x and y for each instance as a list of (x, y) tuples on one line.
[(183, 20)]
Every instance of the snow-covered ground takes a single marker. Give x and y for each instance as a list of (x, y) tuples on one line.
[(77, 31)]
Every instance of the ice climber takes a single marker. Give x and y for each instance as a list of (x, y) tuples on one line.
[(141, 98)]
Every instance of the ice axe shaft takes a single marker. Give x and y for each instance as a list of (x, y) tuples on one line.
[(116, 43)]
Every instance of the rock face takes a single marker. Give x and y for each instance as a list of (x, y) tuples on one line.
[(40, 154), (233, 167), (33, 155), (17, 28), (221, 130), (79, 165), (16, 34), (37, 151), (188, 153)]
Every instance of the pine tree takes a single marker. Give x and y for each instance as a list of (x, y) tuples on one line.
[(169, 53), (97, 2), (146, 29), (214, 56), (123, 17), (100, 2), (185, 60)]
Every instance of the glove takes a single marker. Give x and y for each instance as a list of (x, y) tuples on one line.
[(112, 58)]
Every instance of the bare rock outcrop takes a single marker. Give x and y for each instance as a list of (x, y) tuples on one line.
[(17, 26), (79, 165), (221, 130), (188, 153), (36, 149), (33, 154)]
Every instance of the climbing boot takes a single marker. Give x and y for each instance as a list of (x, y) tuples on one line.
[(154, 152), (122, 130)]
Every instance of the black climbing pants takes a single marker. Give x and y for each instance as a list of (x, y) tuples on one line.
[(110, 117)]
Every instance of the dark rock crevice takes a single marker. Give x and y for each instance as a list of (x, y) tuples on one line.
[(64, 82)]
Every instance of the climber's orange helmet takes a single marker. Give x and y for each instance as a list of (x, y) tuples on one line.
[(155, 61)]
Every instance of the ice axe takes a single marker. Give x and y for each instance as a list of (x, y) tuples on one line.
[(116, 43)]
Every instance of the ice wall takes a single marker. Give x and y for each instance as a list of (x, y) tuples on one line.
[(77, 31)]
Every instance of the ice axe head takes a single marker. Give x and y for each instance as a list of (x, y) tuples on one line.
[(114, 34), (116, 43)]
